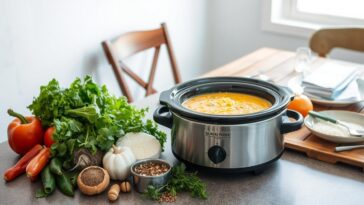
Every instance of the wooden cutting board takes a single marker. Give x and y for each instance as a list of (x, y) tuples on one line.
[(317, 148)]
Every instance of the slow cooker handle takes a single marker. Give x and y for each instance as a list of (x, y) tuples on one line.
[(163, 116), (289, 126)]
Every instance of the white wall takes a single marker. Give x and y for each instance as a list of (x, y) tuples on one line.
[(45, 39), (235, 29)]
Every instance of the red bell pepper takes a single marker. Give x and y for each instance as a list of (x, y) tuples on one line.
[(24, 132)]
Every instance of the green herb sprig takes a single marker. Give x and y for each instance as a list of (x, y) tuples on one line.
[(180, 181)]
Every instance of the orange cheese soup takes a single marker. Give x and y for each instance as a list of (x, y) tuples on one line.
[(226, 103)]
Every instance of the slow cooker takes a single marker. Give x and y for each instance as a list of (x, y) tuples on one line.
[(245, 142)]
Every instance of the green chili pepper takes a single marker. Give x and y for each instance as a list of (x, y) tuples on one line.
[(56, 166), (73, 178), (48, 181), (64, 184)]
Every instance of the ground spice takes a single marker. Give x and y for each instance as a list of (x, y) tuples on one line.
[(167, 197), (92, 176), (151, 168)]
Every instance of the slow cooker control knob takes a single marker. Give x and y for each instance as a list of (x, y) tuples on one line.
[(216, 154)]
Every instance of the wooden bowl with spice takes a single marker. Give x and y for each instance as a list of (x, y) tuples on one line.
[(93, 180), (155, 172)]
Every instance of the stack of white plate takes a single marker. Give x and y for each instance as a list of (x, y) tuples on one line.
[(333, 83)]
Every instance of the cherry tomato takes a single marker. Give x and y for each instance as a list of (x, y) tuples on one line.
[(48, 137)]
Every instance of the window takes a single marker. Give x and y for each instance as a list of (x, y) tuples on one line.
[(303, 17), (334, 8)]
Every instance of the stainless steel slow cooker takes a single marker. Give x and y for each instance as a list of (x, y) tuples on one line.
[(227, 142)]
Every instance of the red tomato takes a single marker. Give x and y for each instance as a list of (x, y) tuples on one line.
[(48, 137)]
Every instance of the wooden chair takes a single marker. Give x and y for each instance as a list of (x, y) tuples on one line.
[(131, 43), (324, 40)]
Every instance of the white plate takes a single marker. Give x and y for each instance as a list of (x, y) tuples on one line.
[(333, 103), (294, 85), (346, 116)]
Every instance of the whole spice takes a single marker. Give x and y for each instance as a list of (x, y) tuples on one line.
[(113, 193), (24, 132), (125, 186), (93, 180), (151, 168), (92, 177), (167, 197), (56, 166), (37, 164), (21, 165), (64, 184)]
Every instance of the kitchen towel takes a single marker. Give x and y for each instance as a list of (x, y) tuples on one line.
[(330, 80)]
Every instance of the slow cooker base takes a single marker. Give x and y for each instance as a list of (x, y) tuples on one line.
[(257, 169)]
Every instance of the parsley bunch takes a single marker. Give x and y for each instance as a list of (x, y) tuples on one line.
[(86, 115), (180, 181)]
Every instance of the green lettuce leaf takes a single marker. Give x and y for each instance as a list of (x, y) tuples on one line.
[(86, 115)]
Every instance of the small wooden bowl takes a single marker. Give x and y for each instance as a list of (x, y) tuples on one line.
[(94, 189)]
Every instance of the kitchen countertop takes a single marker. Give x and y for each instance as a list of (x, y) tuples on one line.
[(294, 179)]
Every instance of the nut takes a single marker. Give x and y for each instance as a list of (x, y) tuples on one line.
[(113, 193), (125, 186)]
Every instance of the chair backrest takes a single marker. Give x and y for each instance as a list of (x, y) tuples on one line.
[(134, 42), (324, 40)]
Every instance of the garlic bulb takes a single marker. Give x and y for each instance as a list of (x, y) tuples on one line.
[(117, 162)]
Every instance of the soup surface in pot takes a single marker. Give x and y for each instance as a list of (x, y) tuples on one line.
[(226, 103)]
